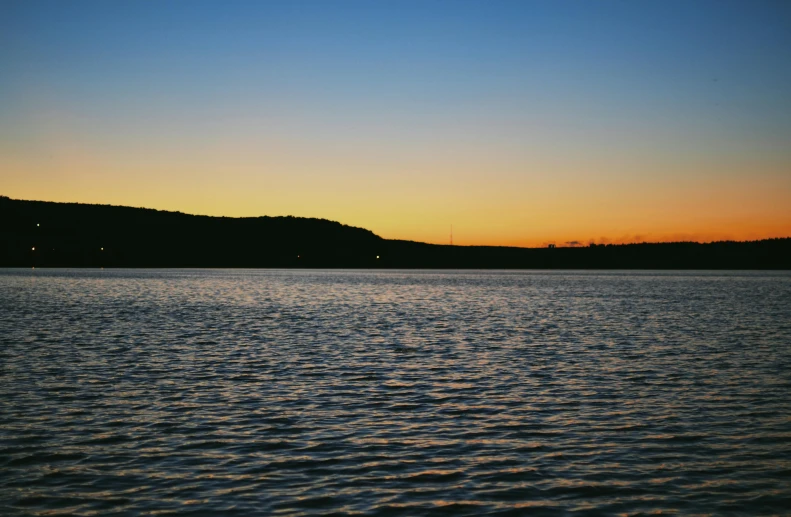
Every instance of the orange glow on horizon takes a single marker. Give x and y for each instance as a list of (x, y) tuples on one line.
[(508, 198), (561, 228)]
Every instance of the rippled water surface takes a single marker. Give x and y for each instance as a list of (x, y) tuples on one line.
[(394, 393)]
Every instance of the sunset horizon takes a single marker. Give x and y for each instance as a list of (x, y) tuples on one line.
[(455, 236), (519, 123)]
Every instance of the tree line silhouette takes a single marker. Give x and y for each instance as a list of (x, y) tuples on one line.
[(47, 234)]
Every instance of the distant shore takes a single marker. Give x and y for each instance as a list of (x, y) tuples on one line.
[(47, 234)]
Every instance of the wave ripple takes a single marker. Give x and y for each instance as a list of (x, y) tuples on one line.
[(394, 393)]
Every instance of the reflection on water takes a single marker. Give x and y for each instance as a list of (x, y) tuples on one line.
[(394, 393)]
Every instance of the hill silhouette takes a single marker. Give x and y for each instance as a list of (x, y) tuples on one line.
[(47, 234)]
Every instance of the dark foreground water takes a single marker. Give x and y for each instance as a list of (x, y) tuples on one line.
[(132, 392)]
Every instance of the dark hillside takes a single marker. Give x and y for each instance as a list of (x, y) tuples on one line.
[(71, 234)]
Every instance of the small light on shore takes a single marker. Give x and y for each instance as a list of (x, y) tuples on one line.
[(377, 256), (33, 248), (102, 249), (37, 224)]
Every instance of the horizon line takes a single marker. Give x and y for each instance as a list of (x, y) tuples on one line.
[(555, 243)]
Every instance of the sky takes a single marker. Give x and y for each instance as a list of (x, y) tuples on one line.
[(520, 123)]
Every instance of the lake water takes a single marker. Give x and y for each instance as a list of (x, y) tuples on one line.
[(216, 392)]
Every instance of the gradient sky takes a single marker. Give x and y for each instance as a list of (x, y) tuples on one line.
[(520, 123)]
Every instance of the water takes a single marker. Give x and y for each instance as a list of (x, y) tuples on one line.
[(394, 393)]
